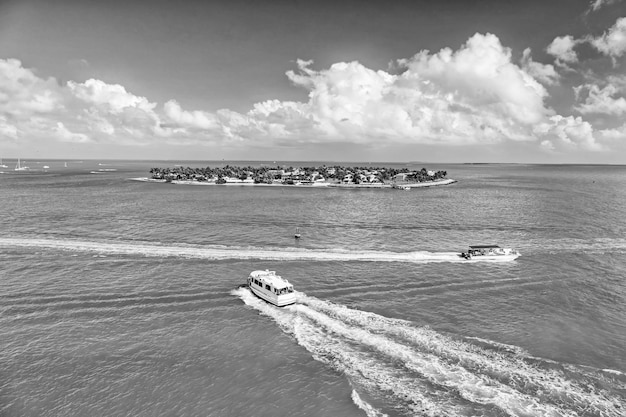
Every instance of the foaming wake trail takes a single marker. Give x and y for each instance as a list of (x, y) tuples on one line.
[(591, 245), (417, 371), (374, 376), (218, 252), (367, 408)]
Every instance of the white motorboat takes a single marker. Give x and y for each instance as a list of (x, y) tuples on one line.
[(495, 252), (271, 288)]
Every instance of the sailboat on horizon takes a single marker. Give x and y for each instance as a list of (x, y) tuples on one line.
[(19, 167), (3, 165)]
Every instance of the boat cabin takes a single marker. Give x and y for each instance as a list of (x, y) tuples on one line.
[(486, 250)]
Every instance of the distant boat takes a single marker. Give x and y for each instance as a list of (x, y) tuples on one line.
[(493, 252), (19, 167), (297, 235), (2, 165)]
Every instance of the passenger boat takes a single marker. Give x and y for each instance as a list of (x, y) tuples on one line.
[(494, 252), (271, 288)]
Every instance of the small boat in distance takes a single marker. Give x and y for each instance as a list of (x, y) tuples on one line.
[(271, 287), (2, 165), (19, 167), (297, 235), (495, 252)]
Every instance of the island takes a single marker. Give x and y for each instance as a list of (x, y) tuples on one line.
[(321, 176)]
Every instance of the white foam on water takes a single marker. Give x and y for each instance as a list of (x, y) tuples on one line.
[(597, 245), (218, 252), (474, 387), (433, 374), (511, 366), (368, 409), (613, 371), (510, 348), (363, 369)]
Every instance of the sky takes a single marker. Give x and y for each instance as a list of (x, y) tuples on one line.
[(395, 80)]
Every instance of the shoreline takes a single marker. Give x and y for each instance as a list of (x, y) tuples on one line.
[(312, 185)]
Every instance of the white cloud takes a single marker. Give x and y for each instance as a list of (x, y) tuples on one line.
[(470, 96), (613, 42), (615, 138), (112, 97), (562, 48), (23, 94), (64, 134), (473, 95), (567, 133), (7, 130), (600, 100), (342, 100), (544, 73), (598, 4), (196, 119)]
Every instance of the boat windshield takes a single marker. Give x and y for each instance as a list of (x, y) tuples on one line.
[(286, 290)]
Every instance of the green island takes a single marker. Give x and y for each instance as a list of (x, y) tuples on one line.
[(333, 176)]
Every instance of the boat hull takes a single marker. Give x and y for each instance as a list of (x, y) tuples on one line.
[(277, 300)]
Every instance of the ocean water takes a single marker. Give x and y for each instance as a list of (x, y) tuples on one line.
[(122, 298)]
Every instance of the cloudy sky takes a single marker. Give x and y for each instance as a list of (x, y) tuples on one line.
[(391, 80)]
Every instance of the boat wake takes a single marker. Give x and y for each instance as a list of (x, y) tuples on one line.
[(396, 367), (218, 252), (590, 245)]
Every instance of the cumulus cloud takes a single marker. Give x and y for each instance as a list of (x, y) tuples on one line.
[(613, 42), (473, 95), (196, 119), (22, 93), (112, 97), (598, 4), (602, 100), (65, 135), (109, 113), (567, 133), (7, 130), (96, 111), (476, 94), (562, 48), (544, 73), (615, 138)]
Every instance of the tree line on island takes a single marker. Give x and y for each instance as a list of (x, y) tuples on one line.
[(297, 175)]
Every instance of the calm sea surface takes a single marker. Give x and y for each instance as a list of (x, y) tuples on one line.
[(121, 298)]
